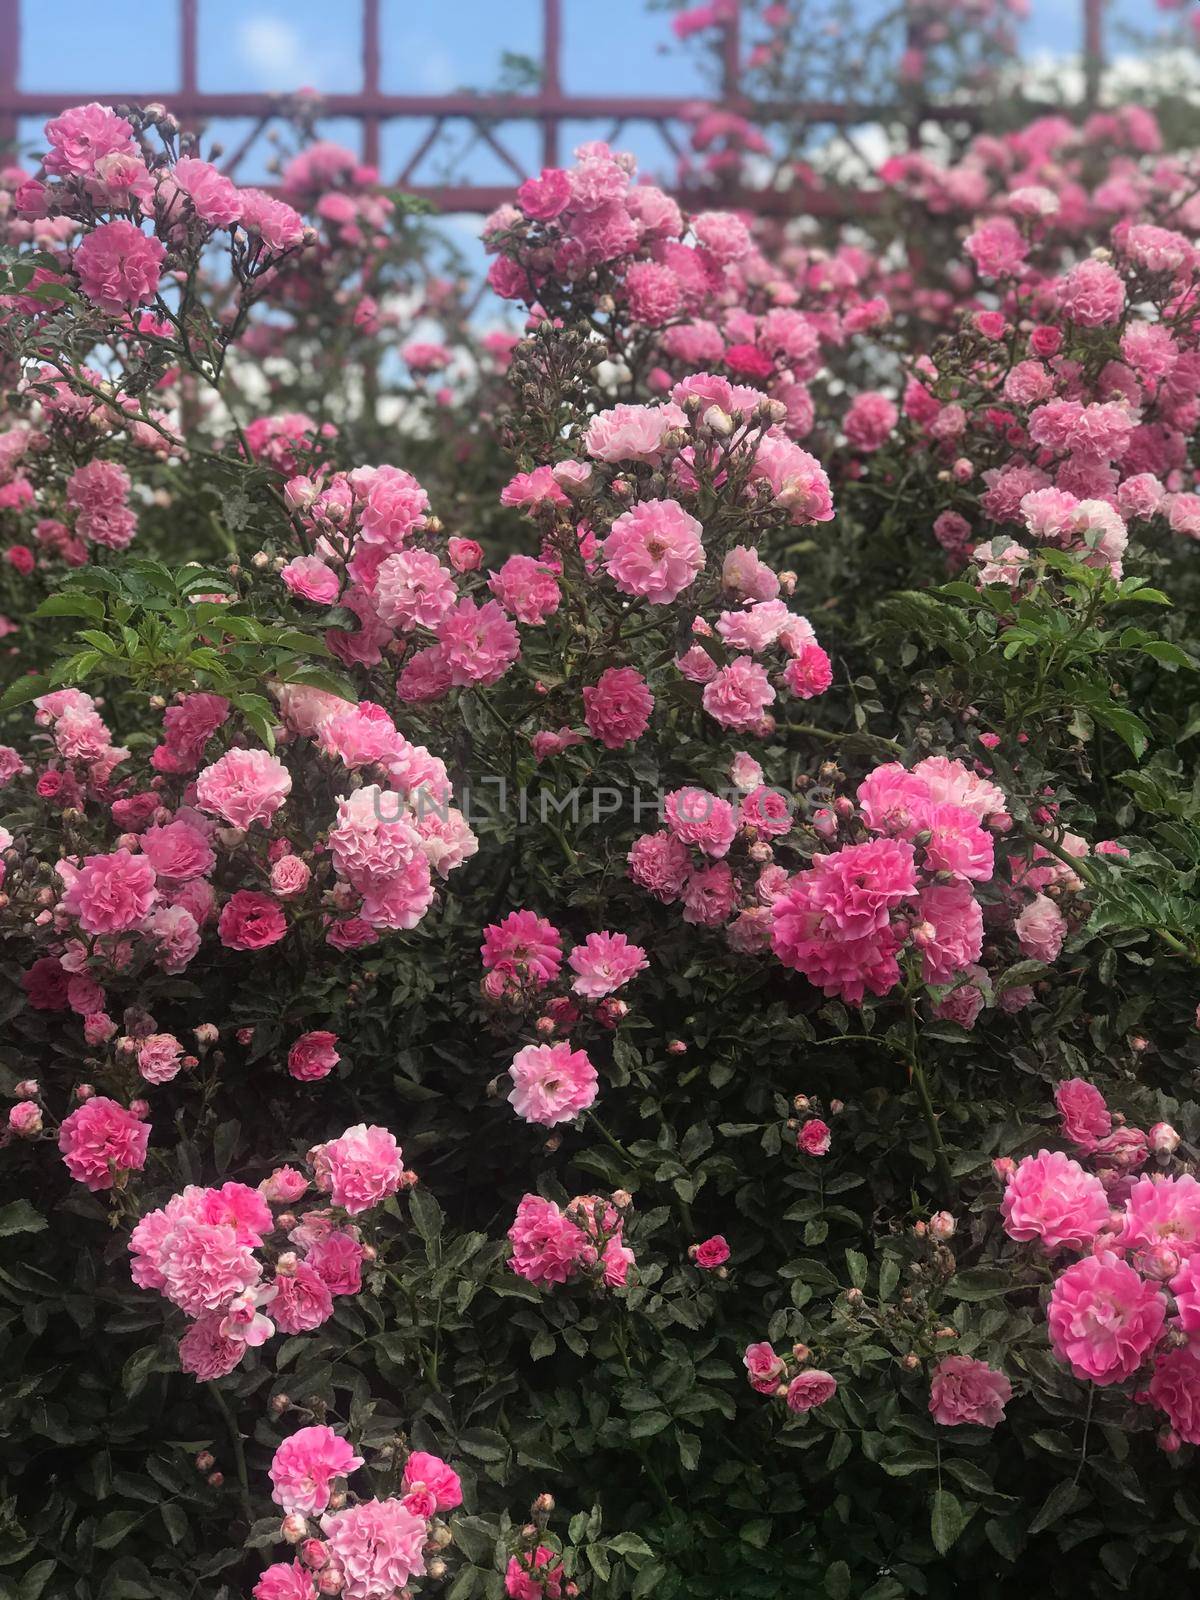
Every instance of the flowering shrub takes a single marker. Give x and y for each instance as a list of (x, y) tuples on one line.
[(702, 824)]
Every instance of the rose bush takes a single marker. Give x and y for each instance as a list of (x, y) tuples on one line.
[(602, 1003)]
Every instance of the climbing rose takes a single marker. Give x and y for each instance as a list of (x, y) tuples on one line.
[(1085, 1115), (359, 1169), (551, 1083), (653, 550), (1104, 1318), (1053, 1199), (118, 266), (604, 963), (617, 707), (546, 1245), (244, 786), (111, 893), (101, 1141), (763, 1367), (304, 1465), (378, 1545), (967, 1391), (314, 1055), (712, 1252), (810, 1389), (431, 1473), (251, 921), (523, 945), (1040, 929), (284, 1580), (1175, 1390)]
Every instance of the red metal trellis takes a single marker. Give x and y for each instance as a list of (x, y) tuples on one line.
[(549, 108)]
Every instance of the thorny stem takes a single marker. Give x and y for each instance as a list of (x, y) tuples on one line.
[(1087, 1423), (239, 1454)]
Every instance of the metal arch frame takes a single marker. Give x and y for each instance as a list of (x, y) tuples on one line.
[(549, 108)]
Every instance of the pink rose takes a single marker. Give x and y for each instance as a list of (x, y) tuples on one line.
[(1051, 1198), (1104, 1318), (763, 1367), (967, 1391), (809, 1389), (712, 1253), (251, 921), (314, 1055), (814, 1137)]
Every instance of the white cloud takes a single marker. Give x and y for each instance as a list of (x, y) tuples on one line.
[(273, 48)]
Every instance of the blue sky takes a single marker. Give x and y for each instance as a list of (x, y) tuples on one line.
[(78, 46), (274, 44)]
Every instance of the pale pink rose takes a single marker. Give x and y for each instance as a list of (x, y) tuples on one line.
[(159, 1057), (284, 1185), (660, 864), (214, 197), (111, 893), (360, 1169), (207, 1353), (413, 590), (738, 694), (604, 963), (311, 579), (551, 1083), (654, 551), (378, 1544), (527, 589), (243, 787), (273, 221), (302, 1300), (178, 851), (1040, 929), (763, 1367), (25, 1119), (290, 876)]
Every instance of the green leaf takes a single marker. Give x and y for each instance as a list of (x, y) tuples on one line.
[(1064, 1497), (175, 1520), (426, 1214), (115, 1526), (72, 603), (857, 1265), (981, 1283), (837, 1581), (24, 690), (20, 1217), (947, 1519)]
